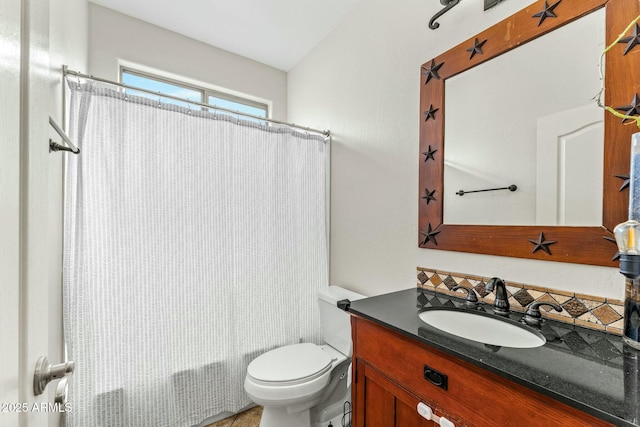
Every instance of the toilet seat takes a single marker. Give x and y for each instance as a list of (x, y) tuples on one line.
[(290, 365)]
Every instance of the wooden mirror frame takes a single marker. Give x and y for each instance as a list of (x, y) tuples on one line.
[(582, 245)]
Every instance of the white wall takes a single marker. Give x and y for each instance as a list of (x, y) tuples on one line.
[(114, 36), (362, 82)]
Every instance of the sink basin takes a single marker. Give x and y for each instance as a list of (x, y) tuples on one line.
[(483, 327)]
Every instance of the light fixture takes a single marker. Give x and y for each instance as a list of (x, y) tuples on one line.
[(449, 4), (627, 236), (488, 4)]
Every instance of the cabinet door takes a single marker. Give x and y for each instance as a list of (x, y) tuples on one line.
[(380, 403), (465, 400)]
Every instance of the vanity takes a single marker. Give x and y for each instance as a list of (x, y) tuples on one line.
[(579, 377), (407, 372)]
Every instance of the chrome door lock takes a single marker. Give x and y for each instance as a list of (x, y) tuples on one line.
[(46, 372)]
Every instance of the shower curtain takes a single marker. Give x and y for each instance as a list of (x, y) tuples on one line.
[(194, 242)]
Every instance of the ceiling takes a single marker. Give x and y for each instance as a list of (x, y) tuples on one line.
[(278, 33)]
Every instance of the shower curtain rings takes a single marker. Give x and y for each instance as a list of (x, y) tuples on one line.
[(205, 106)]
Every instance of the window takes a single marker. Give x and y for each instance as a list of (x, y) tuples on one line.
[(191, 93)]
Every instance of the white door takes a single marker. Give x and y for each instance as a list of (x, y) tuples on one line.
[(570, 161), (30, 244), (9, 210)]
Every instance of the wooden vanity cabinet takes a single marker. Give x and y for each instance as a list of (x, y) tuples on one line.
[(389, 382), (386, 403)]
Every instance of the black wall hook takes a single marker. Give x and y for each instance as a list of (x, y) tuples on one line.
[(448, 4)]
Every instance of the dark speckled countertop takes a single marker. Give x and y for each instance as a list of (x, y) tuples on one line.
[(589, 370)]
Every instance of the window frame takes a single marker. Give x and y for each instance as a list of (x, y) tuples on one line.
[(204, 91)]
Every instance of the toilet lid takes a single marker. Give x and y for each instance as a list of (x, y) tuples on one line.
[(290, 364)]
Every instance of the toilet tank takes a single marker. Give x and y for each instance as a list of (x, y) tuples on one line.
[(335, 322)]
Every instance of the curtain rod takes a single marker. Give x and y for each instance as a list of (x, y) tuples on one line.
[(54, 146), (67, 72)]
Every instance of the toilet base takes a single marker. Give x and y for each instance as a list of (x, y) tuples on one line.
[(280, 417), (339, 421), (322, 409)]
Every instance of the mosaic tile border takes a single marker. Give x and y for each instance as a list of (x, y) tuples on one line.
[(588, 311)]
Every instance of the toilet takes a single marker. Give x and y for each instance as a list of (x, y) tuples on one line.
[(307, 385)]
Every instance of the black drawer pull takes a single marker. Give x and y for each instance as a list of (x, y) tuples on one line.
[(436, 378)]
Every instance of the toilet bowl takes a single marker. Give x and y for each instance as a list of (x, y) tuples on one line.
[(298, 382)]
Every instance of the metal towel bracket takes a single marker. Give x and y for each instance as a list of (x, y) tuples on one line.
[(54, 146)]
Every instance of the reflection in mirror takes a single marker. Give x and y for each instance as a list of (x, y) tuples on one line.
[(528, 118)]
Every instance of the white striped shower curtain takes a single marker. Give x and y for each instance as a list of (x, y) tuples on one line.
[(193, 242)]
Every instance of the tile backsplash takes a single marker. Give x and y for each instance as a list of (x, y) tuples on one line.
[(593, 312)]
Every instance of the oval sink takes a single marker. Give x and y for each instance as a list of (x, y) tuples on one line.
[(483, 327)]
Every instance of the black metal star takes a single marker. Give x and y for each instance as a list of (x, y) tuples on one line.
[(632, 109), (626, 181), (432, 71), (429, 195), (429, 154), (476, 48), (429, 236), (616, 257), (431, 114), (633, 40), (547, 12), (541, 243)]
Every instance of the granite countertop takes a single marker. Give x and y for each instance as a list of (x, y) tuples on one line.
[(589, 370)]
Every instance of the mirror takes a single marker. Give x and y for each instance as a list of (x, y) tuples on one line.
[(521, 133), (555, 226)]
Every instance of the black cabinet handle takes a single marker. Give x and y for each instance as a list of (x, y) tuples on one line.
[(436, 378)]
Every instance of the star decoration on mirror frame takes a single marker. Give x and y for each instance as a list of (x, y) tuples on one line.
[(626, 181), (429, 154), (431, 114), (616, 257), (541, 243), (429, 196), (633, 40), (429, 236), (476, 48), (632, 109), (547, 12), (432, 71)]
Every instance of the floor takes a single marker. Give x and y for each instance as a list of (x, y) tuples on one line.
[(249, 418)]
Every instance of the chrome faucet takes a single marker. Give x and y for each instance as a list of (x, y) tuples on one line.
[(501, 303)]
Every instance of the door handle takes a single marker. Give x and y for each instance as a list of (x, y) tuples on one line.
[(61, 392), (46, 372)]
